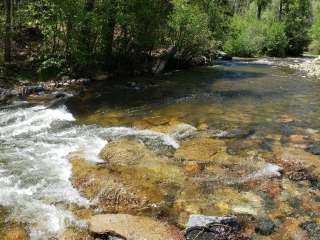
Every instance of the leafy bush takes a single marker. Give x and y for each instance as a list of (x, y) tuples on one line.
[(297, 22), (189, 29), (315, 33), (276, 40), (51, 68), (252, 37), (246, 37)]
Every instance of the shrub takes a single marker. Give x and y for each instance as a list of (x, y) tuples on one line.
[(189, 29), (252, 37), (245, 38), (315, 33), (276, 40)]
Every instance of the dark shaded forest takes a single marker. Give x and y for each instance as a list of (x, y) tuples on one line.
[(55, 37)]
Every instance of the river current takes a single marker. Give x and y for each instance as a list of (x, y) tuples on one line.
[(36, 143)]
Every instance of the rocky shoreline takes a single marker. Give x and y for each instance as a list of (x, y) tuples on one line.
[(41, 92), (310, 66)]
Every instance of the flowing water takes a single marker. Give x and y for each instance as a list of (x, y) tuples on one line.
[(194, 172)]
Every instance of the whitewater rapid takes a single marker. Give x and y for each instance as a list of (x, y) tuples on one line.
[(34, 166)]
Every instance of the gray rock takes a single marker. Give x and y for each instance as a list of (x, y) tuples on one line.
[(314, 148), (313, 230), (183, 131), (202, 220), (214, 228), (223, 56), (265, 227)]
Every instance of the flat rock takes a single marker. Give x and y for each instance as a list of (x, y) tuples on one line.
[(132, 227)]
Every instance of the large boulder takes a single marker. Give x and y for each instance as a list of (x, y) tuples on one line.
[(133, 179), (108, 192), (131, 227), (132, 157)]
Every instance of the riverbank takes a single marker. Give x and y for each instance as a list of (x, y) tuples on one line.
[(309, 66)]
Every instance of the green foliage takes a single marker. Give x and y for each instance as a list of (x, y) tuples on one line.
[(188, 28), (275, 41), (297, 20), (83, 34), (219, 12), (315, 33), (245, 38), (51, 67)]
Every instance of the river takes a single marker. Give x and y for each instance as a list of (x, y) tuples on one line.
[(202, 172)]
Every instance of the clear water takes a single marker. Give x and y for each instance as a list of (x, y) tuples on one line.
[(35, 144)]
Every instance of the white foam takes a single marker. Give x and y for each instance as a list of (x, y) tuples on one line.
[(35, 168), (264, 62)]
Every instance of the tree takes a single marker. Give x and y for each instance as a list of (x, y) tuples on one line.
[(297, 17), (8, 30), (315, 30), (261, 5)]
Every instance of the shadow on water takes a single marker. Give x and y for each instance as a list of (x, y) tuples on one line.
[(193, 85)]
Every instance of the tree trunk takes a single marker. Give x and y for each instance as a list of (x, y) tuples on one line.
[(280, 10), (8, 30), (86, 32), (259, 11)]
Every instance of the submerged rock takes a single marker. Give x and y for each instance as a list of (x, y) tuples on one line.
[(133, 178), (290, 229), (236, 133), (133, 157), (183, 131), (14, 233), (313, 230), (156, 141), (125, 152), (314, 148), (178, 131), (297, 172), (242, 145), (108, 192), (200, 149), (298, 139), (131, 227), (76, 234), (265, 227)]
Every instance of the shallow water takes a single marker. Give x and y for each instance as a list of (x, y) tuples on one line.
[(198, 174)]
